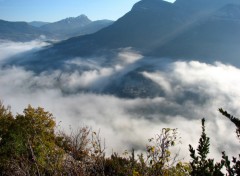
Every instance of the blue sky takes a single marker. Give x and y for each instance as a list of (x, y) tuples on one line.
[(54, 10)]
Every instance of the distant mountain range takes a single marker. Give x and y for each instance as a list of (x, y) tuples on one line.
[(67, 24), (20, 31), (204, 30), (71, 27), (63, 29), (187, 29), (37, 23)]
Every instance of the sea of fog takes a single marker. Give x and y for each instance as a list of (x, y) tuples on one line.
[(129, 123)]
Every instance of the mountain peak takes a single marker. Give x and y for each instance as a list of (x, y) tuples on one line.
[(151, 4), (63, 26), (81, 18)]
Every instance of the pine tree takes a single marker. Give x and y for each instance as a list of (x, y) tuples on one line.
[(235, 168), (200, 164)]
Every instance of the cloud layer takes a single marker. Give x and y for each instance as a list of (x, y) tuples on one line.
[(191, 90), (9, 48)]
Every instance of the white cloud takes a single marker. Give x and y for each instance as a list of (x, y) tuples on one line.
[(161, 79), (193, 90), (128, 56), (9, 48)]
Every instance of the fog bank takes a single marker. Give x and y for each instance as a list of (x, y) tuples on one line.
[(191, 90)]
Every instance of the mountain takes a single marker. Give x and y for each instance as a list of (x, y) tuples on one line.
[(37, 23), (213, 38), (63, 29), (75, 26), (204, 30), (189, 29), (66, 26), (20, 31), (90, 28)]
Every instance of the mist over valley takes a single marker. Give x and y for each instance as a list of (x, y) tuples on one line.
[(160, 65)]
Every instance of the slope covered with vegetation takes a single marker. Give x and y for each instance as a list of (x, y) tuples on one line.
[(30, 144)]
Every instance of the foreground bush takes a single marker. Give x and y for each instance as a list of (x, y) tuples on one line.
[(30, 145), (27, 145)]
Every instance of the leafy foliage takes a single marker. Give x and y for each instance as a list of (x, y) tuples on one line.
[(159, 159), (28, 142), (6, 119), (30, 145), (159, 154)]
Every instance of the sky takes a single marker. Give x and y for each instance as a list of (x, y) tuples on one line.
[(54, 10)]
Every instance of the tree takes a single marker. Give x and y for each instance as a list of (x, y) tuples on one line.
[(235, 168), (158, 151), (200, 164), (6, 119), (233, 119), (28, 143)]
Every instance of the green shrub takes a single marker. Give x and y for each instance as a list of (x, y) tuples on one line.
[(28, 142)]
